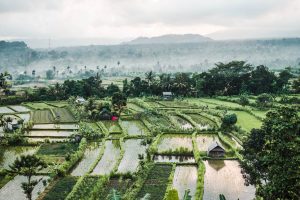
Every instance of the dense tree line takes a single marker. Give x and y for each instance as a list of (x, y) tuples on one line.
[(233, 78)]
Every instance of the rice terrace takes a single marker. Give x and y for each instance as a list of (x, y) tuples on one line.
[(149, 100)]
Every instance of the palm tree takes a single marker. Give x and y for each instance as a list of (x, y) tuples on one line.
[(150, 77), (29, 166), (3, 77)]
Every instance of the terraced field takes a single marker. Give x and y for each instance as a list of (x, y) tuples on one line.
[(42, 117), (109, 158), (247, 121), (156, 182), (130, 161), (170, 143), (132, 158), (64, 115)]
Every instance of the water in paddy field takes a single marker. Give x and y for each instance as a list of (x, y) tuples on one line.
[(130, 160), (224, 177), (9, 155), (185, 178), (171, 142), (132, 127), (56, 126), (109, 158), (90, 156), (13, 190), (204, 141)]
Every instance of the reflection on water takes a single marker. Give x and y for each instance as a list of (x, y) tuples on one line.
[(90, 155), (173, 159), (185, 178), (12, 190), (10, 154), (130, 160), (216, 164), (224, 177), (170, 142), (132, 127)]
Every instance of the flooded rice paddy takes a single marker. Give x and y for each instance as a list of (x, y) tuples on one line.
[(224, 177), (185, 178), (49, 133), (6, 110), (19, 108), (173, 159), (133, 127), (25, 117), (174, 142), (13, 190), (130, 160), (109, 158), (9, 154), (204, 141), (90, 156), (56, 126)]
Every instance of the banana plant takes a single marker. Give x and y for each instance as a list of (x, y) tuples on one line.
[(114, 195), (187, 195)]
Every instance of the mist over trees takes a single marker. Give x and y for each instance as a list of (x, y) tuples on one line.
[(162, 58)]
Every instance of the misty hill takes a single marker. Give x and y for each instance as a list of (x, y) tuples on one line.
[(194, 57), (171, 38), (15, 54)]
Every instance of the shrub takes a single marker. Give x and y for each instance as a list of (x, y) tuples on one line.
[(243, 100), (172, 195), (264, 100)]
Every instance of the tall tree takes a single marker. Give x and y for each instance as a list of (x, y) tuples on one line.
[(28, 166), (119, 101), (272, 156)]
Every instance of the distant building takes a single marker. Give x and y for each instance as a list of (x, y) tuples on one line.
[(216, 150), (105, 114), (167, 95), (80, 100)]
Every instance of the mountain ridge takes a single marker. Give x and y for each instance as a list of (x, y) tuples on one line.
[(170, 38)]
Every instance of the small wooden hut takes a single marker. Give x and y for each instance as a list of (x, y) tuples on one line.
[(216, 150)]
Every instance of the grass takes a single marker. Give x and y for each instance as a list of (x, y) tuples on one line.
[(38, 106), (59, 104), (61, 189), (42, 117), (119, 185), (260, 113), (58, 149), (85, 188), (221, 102), (247, 121), (5, 179), (64, 114), (156, 182)]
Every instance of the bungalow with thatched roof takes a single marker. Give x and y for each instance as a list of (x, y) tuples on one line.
[(216, 150)]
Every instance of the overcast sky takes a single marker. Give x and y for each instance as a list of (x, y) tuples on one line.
[(74, 22)]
